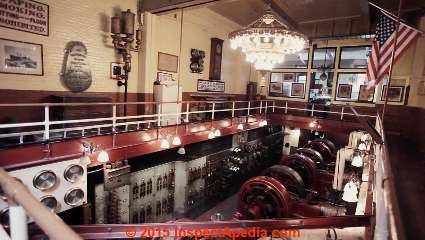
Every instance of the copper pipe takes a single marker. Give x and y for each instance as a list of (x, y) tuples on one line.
[(50, 223), (400, 6)]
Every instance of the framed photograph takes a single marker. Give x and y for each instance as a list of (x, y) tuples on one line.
[(276, 89), (344, 91), (276, 77), (395, 93), (365, 95), (168, 62), (210, 86), (164, 77), (290, 77), (297, 90), (21, 57)]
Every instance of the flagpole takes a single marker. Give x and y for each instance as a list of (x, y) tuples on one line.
[(400, 6)]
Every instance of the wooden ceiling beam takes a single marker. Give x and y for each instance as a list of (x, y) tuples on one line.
[(161, 6)]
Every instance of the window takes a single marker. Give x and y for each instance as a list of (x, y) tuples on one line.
[(324, 57), (321, 90), (354, 57), (287, 84), (297, 60), (352, 87)]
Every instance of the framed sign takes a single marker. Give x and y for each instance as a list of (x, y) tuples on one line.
[(276, 89), (395, 93), (21, 57), (344, 91), (365, 95), (168, 62), (210, 86), (25, 15), (164, 77)]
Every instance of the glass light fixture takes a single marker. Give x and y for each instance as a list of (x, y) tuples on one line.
[(240, 126), (165, 144), (266, 41), (177, 141), (85, 160), (217, 133), (211, 135), (357, 161), (103, 157), (263, 123), (362, 146), (350, 192), (181, 151)]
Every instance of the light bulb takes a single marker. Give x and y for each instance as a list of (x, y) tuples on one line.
[(357, 161), (103, 157), (362, 146), (181, 151), (165, 144), (217, 133), (177, 141), (211, 135), (323, 76), (85, 160), (240, 126), (364, 137), (350, 192)]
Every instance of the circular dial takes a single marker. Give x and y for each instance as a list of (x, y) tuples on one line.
[(73, 173), (50, 202), (74, 197), (45, 180)]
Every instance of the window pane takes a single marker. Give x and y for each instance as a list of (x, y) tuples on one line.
[(321, 90), (354, 57), (297, 60), (288, 85), (352, 87), (324, 57)]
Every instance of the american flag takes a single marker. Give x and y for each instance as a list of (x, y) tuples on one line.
[(379, 60)]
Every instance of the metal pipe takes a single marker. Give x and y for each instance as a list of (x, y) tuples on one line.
[(18, 222), (51, 224)]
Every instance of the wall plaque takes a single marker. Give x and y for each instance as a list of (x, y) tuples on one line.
[(76, 73), (168, 62), (210, 86), (25, 15)]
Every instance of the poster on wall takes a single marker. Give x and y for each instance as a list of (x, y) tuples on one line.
[(25, 15), (210, 86), (21, 57)]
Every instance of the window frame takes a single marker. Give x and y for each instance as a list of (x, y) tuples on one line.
[(340, 57), (335, 59)]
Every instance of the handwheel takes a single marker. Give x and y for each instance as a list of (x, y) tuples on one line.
[(288, 177), (304, 166), (263, 198)]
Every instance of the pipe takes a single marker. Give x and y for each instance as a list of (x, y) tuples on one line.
[(18, 223), (50, 223)]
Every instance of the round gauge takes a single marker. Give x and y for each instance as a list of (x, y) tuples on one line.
[(4, 217), (73, 173), (50, 202), (45, 180), (74, 197)]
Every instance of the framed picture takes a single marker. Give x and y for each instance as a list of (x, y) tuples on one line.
[(21, 57), (365, 95), (276, 77), (297, 90), (344, 91), (276, 89), (290, 77), (395, 93), (167, 62), (210, 86), (164, 77)]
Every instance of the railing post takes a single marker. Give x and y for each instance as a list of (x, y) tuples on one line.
[(114, 118), (249, 107), (46, 123), (274, 104), (187, 111), (286, 107), (265, 110), (233, 109), (213, 111), (18, 223), (342, 113), (159, 115), (261, 106), (312, 109)]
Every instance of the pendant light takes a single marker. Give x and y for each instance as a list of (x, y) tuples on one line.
[(217, 133), (177, 141), (181, 151), (350, 192), (103, 157), (165, 144)]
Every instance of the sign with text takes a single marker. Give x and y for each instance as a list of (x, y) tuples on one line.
[(210, 86), (25, 15)]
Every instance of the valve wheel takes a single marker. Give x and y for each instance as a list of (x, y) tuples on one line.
[(263, 198)]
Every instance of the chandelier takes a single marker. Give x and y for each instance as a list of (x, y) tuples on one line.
[(266, 41)]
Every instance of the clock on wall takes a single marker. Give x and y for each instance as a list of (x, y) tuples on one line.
[(215, 59)]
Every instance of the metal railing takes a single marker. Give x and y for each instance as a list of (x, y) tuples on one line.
[(50, 128)]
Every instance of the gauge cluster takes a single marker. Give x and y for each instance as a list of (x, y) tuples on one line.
[(59, 186)]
